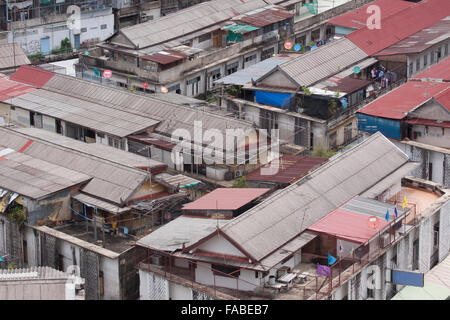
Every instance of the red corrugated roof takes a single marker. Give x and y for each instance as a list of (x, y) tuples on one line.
[(431, 123), (10, 89), (357, 19), (226, 199), (437, 71), (34, 76), (398, 102), (347, 226), (166, 56), (291, 168), (444, 99), (401, 25), (266, 17)]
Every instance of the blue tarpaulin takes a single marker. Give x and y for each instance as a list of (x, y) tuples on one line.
[(273, 98)]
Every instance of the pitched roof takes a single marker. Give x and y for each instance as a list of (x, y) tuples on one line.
[(357, 18), (10, 89), (284, 215), (34, 178), (226, 199), (444, 98), (401, 25), (439, 71), (264, 17), (186, 21), (110, 181), (31, 75), (398, 102), (12, 55), (325, 61)]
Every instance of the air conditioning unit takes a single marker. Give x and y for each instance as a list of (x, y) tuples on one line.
[(385, 240), (238, 173), (156, 259)]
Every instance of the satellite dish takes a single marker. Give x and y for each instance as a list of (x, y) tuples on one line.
[(356, 70), (298, 47)]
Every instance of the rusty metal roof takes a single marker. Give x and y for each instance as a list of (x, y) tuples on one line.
[(264, 17), (226, 199), (31, 75), (439, 71), (165, 56), (10, 89), (291, 168)]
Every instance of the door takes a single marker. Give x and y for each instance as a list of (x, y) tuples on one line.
[(45, 46), (76, 40)]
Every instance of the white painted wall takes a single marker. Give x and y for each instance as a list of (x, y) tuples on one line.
[(219, 244), (435, 136)]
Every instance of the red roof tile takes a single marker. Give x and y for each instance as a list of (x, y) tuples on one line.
[(356, 19), (348, 226), (31, 75), (226, 199), (398, 102), (10, 89), (401, 25), (291, 168)]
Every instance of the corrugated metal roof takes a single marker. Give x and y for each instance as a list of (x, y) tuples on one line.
[(35, 178), (87, 114), (94, 149), (369, 207), (31, 75), (444, 98), (439, 71), (32, 273), (292, 246), (362, 65), (345, 85), (347, 226), (357, 18), (181, 181), (291, 168), (94, 202), (12, 55), (240, 28), (112, 182), (254, 72), (283, 216), (401, 25), (323, 62), (10, 89), (187, 230), (165, 56), (171, 116), (264, 17), (392, 179), (398, 102), (422, 40), (226, 199), (187, 21), (427, 122)]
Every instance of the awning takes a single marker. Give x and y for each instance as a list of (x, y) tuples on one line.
[(100, 204)]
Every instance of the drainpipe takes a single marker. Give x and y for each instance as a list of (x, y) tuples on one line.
[(7, 12)]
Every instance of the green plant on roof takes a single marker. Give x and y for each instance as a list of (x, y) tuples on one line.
[(240, 182), (320, 151), (17, 214)]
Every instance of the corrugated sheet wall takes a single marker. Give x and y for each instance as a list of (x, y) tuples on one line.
[(389, 128)]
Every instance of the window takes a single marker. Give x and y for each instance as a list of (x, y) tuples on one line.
[(268, 28), (432, 57), (83, 30), (225, 271), (101, 135), (232, 68), (204, 37), (175, 88), (103, 26), (370, 293), (436, 235), (256, 274), (116, 143), (425, 60), (58, 126), (13, 108), (446, 49), (25, 252), (410, 68), (250, 58), (101, 289), (417, 64), (266, 54), (438, 53), (430, 171)]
